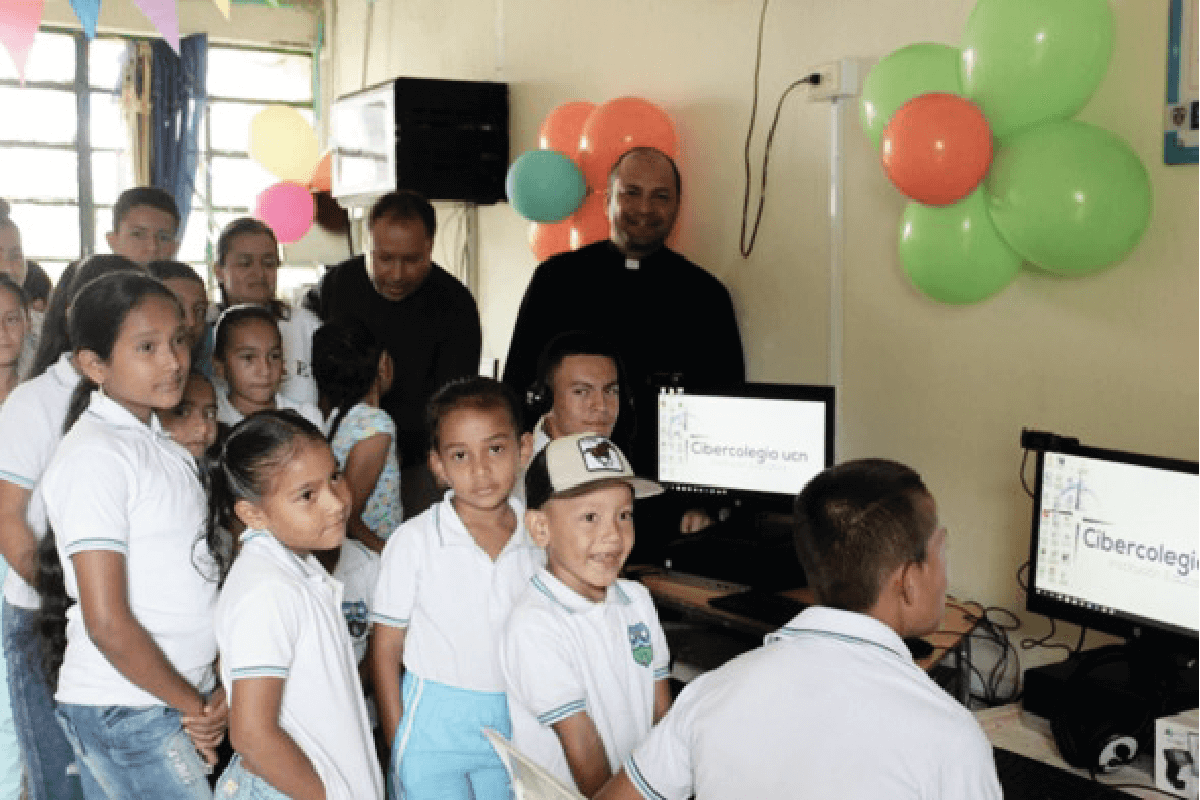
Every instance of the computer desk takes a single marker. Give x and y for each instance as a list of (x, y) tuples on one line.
[(1013, 728), (689, 595)]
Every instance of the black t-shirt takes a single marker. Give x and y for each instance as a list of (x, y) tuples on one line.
[(433, 336)]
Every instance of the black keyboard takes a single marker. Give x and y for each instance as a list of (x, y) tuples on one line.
[(763, 606), (1024, 778)]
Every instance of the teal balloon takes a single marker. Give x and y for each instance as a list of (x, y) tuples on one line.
[(544, 186), (1069, 197), (899, 77), (953, 253), (1027, 61)]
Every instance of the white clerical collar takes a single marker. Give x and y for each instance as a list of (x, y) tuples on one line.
[(632, 263)]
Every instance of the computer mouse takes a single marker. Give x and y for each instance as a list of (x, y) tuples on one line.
[(918, 647)]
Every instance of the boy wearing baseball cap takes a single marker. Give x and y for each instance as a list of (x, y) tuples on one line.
[(583, 655)]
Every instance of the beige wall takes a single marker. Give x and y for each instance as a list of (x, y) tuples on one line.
[(1111, 359)]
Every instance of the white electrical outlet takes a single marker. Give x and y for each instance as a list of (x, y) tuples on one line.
[(841, 78)]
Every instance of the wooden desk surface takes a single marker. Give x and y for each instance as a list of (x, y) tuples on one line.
[(690, 594)]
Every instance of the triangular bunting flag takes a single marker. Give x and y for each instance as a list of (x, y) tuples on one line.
[(88, 12), (19, 21), (165, 19), (223, 6)]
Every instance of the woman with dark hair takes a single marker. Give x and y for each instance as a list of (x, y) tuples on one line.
[(247, 270)]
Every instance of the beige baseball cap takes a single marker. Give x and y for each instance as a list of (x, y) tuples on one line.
[(572, 462)]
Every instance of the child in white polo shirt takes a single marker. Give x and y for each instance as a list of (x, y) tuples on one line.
[(833, 706), (447, 581), (584, 657), (297, 719)]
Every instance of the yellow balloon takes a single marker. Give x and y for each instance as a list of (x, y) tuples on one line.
[(284, 143)]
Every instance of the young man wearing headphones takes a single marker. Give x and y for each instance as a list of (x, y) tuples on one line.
[(577, 390)]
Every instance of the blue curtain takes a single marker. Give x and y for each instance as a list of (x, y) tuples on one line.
[(177, 102)]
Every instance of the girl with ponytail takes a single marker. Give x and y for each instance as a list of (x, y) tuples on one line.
[(353, 372), (127, 582), (298, 722), (31, 425)]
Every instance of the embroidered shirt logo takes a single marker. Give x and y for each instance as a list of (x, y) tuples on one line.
[(599, 455), (639, 644), (356, 613)]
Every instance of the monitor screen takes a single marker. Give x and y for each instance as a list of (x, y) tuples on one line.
[(765, 440), (1115, 538)]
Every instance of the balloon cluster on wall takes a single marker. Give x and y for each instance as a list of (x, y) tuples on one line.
[(283, 142), (560, 186), (1063, 195)]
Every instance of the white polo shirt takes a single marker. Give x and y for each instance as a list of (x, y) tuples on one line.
[(296, 332), (833, 708), (358, 571), (438, 583), (562, 654), (117, 484), (280, 616), (227, 414), (31, 423)]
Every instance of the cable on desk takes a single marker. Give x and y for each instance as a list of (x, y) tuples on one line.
[(1140, 787), (1024, 480)]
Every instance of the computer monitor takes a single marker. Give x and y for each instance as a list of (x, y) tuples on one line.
[(1115, 540), (758, 445)]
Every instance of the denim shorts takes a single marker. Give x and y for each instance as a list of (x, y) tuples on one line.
[(135, 752), (238, 783), (49, 760)]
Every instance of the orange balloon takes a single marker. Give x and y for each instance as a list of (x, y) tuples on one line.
[(618, 126), (937, 148), (589, 224), (549, 238), (563, 126), (322, 179)]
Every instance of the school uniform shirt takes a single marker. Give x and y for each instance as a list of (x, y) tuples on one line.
[(563, 654), (31, 423), (117, 484), (437, 583), (834, 707), (227, 414), (357, 570), (280, 616), (296, 331)]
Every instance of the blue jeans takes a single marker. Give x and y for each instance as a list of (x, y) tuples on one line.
[(135, 752), (238, 783), (439, 751), (47, 755)]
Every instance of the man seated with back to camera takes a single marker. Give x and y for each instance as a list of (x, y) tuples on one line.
[(832, 706)]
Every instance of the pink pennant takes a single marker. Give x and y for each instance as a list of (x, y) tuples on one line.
[(19, 20), (165, 18)]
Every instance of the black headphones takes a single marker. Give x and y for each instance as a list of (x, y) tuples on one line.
[(539, 397), (1098, 728)]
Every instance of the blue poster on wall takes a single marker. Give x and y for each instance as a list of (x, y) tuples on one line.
[(1181, 135)]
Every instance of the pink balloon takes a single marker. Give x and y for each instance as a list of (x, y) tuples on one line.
[(288, 208), (562, 127), (617, 127)]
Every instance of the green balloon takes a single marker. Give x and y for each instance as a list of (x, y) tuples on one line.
[(1069, 197), (1027, 61), (954, 253), (907, 73), (544, 186)]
